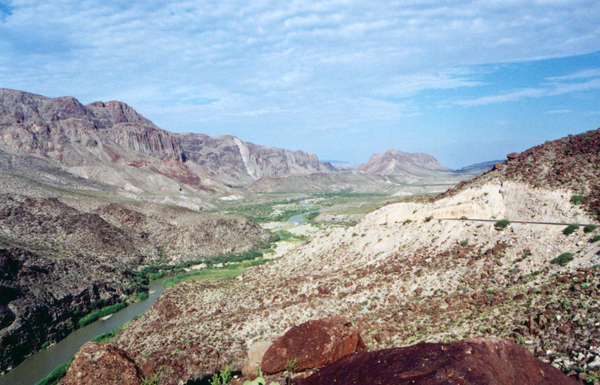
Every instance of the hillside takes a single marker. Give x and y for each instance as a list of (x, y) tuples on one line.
[(404, 275), (571, 163)]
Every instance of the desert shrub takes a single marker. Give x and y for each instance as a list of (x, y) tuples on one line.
[(570, 229), (562, 259), (589, 228), (502, 224), (429, 218), (576, 199), (595, 238), (464, 242)]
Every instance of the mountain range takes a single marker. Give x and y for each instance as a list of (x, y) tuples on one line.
[(112, 145)]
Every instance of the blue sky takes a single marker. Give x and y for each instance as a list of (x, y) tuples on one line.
[(466, 81)]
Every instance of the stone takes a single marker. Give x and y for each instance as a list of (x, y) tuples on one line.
[(256, 353), (475, 361), (99, 364), (313, 344), (512, 155)]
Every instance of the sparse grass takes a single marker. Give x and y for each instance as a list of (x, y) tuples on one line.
[(570, 229), (562, 259)]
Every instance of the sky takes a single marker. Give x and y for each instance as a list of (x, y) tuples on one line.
[(465, 81)]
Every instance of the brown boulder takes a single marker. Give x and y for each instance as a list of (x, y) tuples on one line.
[(512, 155), (313, 344), (99, 364), (477, 361)]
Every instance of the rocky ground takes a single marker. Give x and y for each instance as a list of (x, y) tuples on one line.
[(405, 275)]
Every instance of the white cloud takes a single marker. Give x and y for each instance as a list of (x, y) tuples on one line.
[(558, 112), (559, 85)]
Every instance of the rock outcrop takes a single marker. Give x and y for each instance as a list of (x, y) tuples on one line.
[(101, 364), (478, 361), (313, 345)]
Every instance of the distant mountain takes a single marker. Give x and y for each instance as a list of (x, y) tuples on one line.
[(341, 165), (478, 168), (111, 143), (232, 161), (398, 163)]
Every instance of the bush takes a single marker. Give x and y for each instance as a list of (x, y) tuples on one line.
[(589, 228), (562, 259), (96, 315), (570, 229), (595, 238), (464, 242), (576, 199), (502, 224), (142, 296)]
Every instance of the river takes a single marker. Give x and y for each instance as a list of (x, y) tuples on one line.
[(39, 365)]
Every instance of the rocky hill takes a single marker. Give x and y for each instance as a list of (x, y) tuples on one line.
[(407, 273), (571, 163), (112, 144), (57, 260), (398, 163)]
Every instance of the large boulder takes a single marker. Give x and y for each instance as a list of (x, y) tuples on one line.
[(490, 361), (100, 364), (313, 344)]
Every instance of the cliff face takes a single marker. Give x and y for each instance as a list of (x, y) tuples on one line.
[(233, 161), (88, 140), (398, 163)]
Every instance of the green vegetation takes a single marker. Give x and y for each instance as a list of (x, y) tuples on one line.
[(310, 217), (210, 273), (570, 229), (292, 365), (576, 199), (595, 238), (142, 296), (562, 259), (97, 314), (222, 378), (464, 242), (259, 380), (142, 277), (56, 375), (109, 335), (590, 228), (502, 224), (153, 380)]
